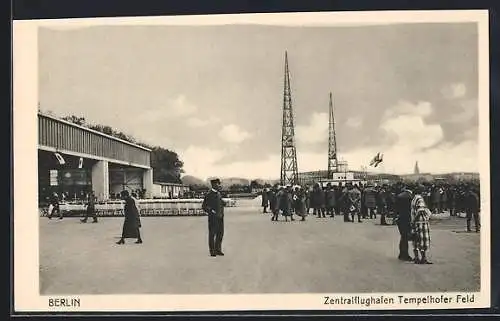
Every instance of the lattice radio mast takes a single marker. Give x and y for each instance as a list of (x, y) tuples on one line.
[(332, 143), (289, 173)]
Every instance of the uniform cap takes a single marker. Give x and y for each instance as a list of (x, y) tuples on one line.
[(215, 181)]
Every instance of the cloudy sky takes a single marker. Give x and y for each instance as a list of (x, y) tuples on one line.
[(214, 94)]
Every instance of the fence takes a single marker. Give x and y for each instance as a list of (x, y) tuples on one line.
[(150, 207)]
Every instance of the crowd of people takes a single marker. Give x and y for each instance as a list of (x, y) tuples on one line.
[(409, 205), (356, 202)]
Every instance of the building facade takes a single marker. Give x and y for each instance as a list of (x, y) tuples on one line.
[(169, 190)]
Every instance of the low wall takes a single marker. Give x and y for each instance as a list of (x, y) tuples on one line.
[(149, 207)]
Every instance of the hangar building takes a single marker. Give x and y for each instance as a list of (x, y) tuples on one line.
[(74, 160)]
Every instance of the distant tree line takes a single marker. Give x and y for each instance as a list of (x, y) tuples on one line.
[(166, 164)]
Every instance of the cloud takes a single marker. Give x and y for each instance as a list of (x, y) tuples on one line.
[(233, 134), (198, 160), (181, 107), (354, 122), (196, 122), (314, 132), (202, 162), (420, 109), (454, 91), (416, 140), (178, 107), (412, 132), (466, 110)]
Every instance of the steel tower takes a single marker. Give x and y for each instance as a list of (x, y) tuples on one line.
[(332, 143), (289, 172)]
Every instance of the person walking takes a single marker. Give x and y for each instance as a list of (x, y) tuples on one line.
[(132, 222), (213, 205), (54, 202), (344, 202), (354, 202), (318, 201), (402, 218), (90, 208), (299, 203), (330, 200), (285, 203), (472, 207), (421, 234), (382, 204), (265, 200), (307, 198), (273, 202), (369, 201)]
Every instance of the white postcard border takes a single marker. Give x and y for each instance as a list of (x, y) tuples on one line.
[(26, 251)]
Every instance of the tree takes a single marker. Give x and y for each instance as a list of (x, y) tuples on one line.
[(166, 165), (75, 120)]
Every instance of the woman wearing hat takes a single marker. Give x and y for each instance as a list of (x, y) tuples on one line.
[(420, 215), (299, 202), (273, 202), (132, 221)]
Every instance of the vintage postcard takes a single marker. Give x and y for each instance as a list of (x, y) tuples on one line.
[(299, 161)]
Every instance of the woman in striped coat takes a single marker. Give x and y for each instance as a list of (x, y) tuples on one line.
[(421, 233)]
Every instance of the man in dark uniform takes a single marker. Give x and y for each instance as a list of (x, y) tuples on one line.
[(471, 202), (90, 208), (403, 212), (213, 205)]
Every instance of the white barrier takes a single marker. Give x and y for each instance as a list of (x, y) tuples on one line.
[(147, 207)]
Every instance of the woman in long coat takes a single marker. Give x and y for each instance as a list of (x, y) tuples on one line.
[(299, 203), (265, 200), (132, 222), (285, 202), (420, 215), (273, 202)]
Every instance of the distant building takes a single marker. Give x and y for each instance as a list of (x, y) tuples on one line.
[(416, 170), (169, 190), (464, 176), (343, 178), (309, 178), (420, 177)]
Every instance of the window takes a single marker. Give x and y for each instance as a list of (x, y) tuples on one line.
[(164, 189), (53, 177)]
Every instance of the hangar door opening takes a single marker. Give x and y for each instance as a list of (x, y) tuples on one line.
[(130, 179)]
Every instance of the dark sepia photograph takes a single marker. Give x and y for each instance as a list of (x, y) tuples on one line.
[(262, 158)]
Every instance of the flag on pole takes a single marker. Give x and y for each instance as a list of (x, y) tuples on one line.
[(60, 159), (80, 163)]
